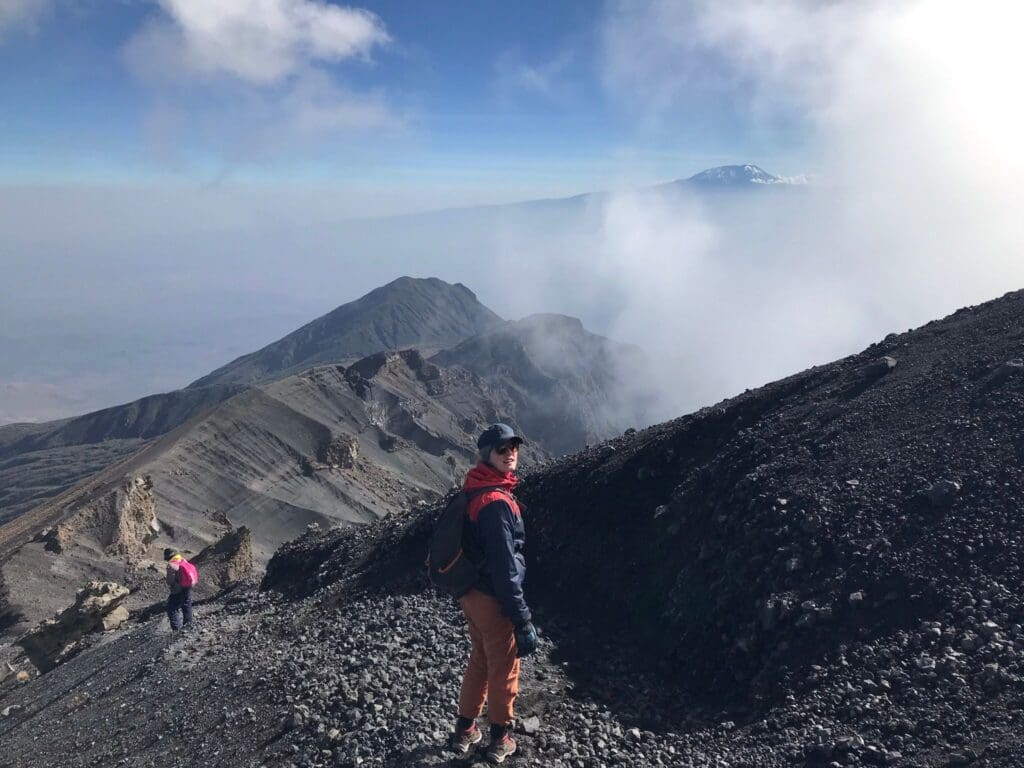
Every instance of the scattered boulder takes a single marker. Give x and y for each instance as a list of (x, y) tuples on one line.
[(55, 640), (115, 618)]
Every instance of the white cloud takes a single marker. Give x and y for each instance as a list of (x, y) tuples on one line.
[(257, 41), (252, 80), (23, 14), (657, 54)]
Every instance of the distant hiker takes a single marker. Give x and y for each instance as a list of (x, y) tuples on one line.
[(500, 627), (181, 577)]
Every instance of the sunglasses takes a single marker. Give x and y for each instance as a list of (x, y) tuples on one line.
[(507, 448)]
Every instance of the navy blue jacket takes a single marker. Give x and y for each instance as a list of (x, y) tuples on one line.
[(500, 535)]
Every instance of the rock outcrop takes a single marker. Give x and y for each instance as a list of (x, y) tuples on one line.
[(228, 562), (341, 452), (97, 607), (8, 615), (123, 523)]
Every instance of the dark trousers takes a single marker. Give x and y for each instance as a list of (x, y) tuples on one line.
[(180, 601)]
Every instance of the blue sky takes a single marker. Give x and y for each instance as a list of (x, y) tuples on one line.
[(497, 98)]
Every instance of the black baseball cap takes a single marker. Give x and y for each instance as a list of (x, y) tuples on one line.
[(497, 435)]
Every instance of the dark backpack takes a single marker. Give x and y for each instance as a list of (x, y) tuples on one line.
[(453, 559)]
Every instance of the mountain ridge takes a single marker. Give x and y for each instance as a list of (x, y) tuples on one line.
[(407, 312), (39, 461)]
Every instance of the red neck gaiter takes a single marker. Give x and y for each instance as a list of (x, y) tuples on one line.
[(483, 475)]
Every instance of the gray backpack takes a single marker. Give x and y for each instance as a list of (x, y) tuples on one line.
[(453, 559)]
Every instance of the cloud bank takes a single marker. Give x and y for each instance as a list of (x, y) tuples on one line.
[(917, 212)]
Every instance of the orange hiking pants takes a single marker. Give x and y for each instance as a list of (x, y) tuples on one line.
[(493, 669)]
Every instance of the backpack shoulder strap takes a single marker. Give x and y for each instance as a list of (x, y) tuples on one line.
[(472, 507), (477, 491)]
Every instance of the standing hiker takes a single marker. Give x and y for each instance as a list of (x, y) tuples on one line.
[(500, 627), (181, 577)]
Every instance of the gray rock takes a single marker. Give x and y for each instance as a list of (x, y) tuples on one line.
[(942, 494), (879, 367), (1004, 371), (530, 725)]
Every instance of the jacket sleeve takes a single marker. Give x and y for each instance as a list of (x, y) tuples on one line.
[(507, 569), (171, 577)]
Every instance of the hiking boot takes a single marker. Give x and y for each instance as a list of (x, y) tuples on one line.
[(465, 738), (501, 748)]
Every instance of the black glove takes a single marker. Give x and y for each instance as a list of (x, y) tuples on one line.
[(526, 639)]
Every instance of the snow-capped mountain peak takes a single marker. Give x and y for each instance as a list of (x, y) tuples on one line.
[(740, 176)]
